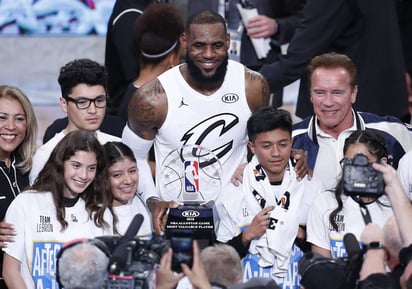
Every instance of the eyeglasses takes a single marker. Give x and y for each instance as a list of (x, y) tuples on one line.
[(84, 103)]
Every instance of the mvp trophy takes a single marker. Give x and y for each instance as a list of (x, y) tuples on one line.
[(191, 176)]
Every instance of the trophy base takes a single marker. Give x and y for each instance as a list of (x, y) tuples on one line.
[(195, 219)]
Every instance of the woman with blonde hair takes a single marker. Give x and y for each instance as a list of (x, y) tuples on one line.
[(18, 132)]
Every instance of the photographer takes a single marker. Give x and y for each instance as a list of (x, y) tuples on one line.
[(339, 212), (402, 209), (167, 279), (373, 274)]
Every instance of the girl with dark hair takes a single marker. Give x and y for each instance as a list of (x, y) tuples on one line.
[(123, 176), (69, 199), (336, 213)]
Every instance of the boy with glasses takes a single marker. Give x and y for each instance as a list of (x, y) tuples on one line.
[(83, 84)]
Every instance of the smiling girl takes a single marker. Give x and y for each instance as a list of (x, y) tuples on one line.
[(123, 175), (70, 199)]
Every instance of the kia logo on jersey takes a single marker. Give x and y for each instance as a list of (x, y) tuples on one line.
[(230, 98)]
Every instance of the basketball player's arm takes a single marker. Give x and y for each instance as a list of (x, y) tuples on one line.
[(146, 113), (257, 94), (257, 89)]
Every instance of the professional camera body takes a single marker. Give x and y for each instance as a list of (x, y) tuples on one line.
[(133, 261), (360, 178), (317, 271)]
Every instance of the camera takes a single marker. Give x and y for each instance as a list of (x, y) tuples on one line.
[(133, 261), (317, 271), (360, 179)]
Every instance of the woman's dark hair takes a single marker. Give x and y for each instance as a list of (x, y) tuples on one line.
[(117, 151), (97, 195), (159, 29), (376, 145)]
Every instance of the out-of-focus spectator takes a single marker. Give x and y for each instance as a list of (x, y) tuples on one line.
[(122, 50)]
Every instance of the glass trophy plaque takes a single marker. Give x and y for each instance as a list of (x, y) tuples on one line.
[(191, 176)]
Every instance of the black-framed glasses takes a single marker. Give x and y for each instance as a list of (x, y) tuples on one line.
[(84, 103)]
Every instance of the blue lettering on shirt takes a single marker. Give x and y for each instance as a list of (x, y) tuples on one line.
[(337, 248), (252, 269), (44, 264)]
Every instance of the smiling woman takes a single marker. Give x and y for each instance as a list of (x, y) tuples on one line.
[(18, 127)]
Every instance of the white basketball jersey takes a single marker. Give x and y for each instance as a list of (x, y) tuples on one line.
[(216, 122)]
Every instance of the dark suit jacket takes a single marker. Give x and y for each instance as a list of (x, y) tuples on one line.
[(122, 49), (287, 13), (366, 31)]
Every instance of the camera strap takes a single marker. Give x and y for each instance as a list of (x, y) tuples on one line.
[(364, 211)]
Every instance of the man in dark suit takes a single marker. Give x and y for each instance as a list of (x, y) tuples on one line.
[(367, 31), (122, 51), (277, 20)]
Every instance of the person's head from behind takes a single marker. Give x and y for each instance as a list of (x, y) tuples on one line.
[(270, 139), (222, 265), (82, 266), (123, 172), (333, 90), (18, 127), (207, 42), (83, 84), (367, 142), (159, 30), (75, 169)]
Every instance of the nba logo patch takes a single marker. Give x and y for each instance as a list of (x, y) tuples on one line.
[(191, 176)]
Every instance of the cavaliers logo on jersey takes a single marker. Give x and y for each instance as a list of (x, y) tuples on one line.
[(216, 130)]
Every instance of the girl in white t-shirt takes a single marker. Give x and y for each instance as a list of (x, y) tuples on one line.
[(70, 199), (123, 175), (336, 213)]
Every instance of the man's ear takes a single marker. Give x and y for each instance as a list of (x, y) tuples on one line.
[(251, 146), (354, 94), (183, 41), (228, 40), (63, 104), (384, 160)]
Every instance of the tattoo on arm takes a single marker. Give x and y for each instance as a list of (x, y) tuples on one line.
[(258, 87), (144, 107)]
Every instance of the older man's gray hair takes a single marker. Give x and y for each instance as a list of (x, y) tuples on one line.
[(83, 266)]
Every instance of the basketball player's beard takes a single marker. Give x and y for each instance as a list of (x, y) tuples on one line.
[(197, 76)]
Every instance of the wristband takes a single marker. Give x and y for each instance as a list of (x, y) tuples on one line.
[(153, 198), (374, 246)]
